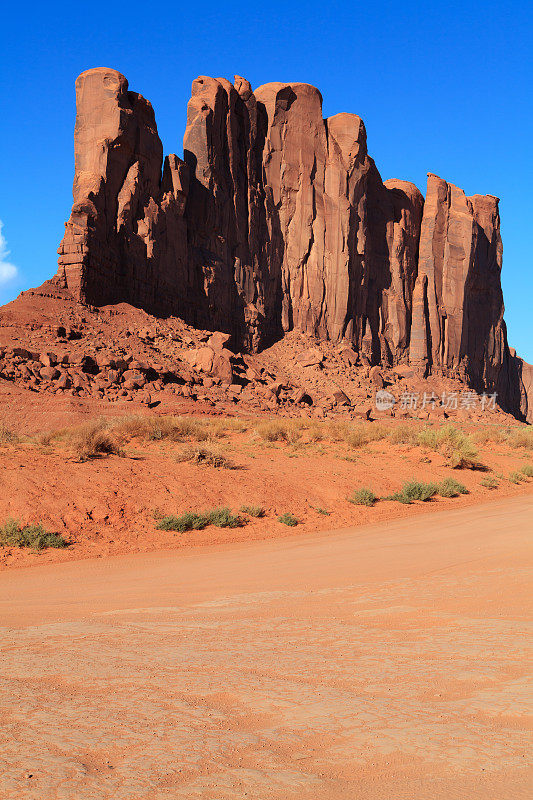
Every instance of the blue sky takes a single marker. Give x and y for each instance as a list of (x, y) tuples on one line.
[(442, 87)]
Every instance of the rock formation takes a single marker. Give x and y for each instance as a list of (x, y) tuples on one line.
[(277, 219)]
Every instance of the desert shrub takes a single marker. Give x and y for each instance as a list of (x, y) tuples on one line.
[(13, 534), (195, 521), (288, 519), (45, 439), (7, 436), (93, 441), (252, 511), (450, 487), (516, 476), (323, 511), (521, 437), (415, 490), (190, 521), (363, 497), (205, 456), (490, 483), (223, 518), (453, 443), (527, 470)]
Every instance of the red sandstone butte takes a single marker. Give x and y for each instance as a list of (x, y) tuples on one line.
[(278, 219)]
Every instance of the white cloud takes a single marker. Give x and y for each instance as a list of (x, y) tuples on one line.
[(8, 271)]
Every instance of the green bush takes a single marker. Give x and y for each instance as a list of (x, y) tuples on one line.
[(516, 477), (196, 521), (451, 488), (189, 521), (527, 470), (490, 483), (415, 490), (288, 519), (363, 497), (223, 518), (13, 534)]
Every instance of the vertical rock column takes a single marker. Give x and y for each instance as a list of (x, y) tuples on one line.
[(118, 156), (458, 303)]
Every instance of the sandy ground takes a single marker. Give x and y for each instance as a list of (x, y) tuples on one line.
[(383, 662)]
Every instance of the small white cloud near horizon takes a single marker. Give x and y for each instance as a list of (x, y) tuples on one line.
[(8, 271)]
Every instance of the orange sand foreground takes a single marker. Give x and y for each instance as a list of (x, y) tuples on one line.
[(386, 661)]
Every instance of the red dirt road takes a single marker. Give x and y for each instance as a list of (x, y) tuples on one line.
[(384, 663)]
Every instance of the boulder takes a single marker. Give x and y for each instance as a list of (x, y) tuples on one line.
[(49, 373), (310, 358), (222, 368), (376, 377), (132, 379), (218, 340), (48, 359), (340, 398)]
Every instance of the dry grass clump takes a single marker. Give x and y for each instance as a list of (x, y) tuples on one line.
[(13, 534), (527, 470), (172, 428), (279, 431), (491, 434), (253, 511), (94, 441), (316, 432), (176, 428), (490, 483), (521, 437), (456, 445), (206, 456), (356, 434), (404, 434)]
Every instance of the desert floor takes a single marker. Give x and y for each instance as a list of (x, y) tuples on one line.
[(382, 662)]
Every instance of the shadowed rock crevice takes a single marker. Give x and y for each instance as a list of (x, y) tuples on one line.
[(277, 219)]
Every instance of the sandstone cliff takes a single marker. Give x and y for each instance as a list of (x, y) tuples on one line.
[(277, 219)]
